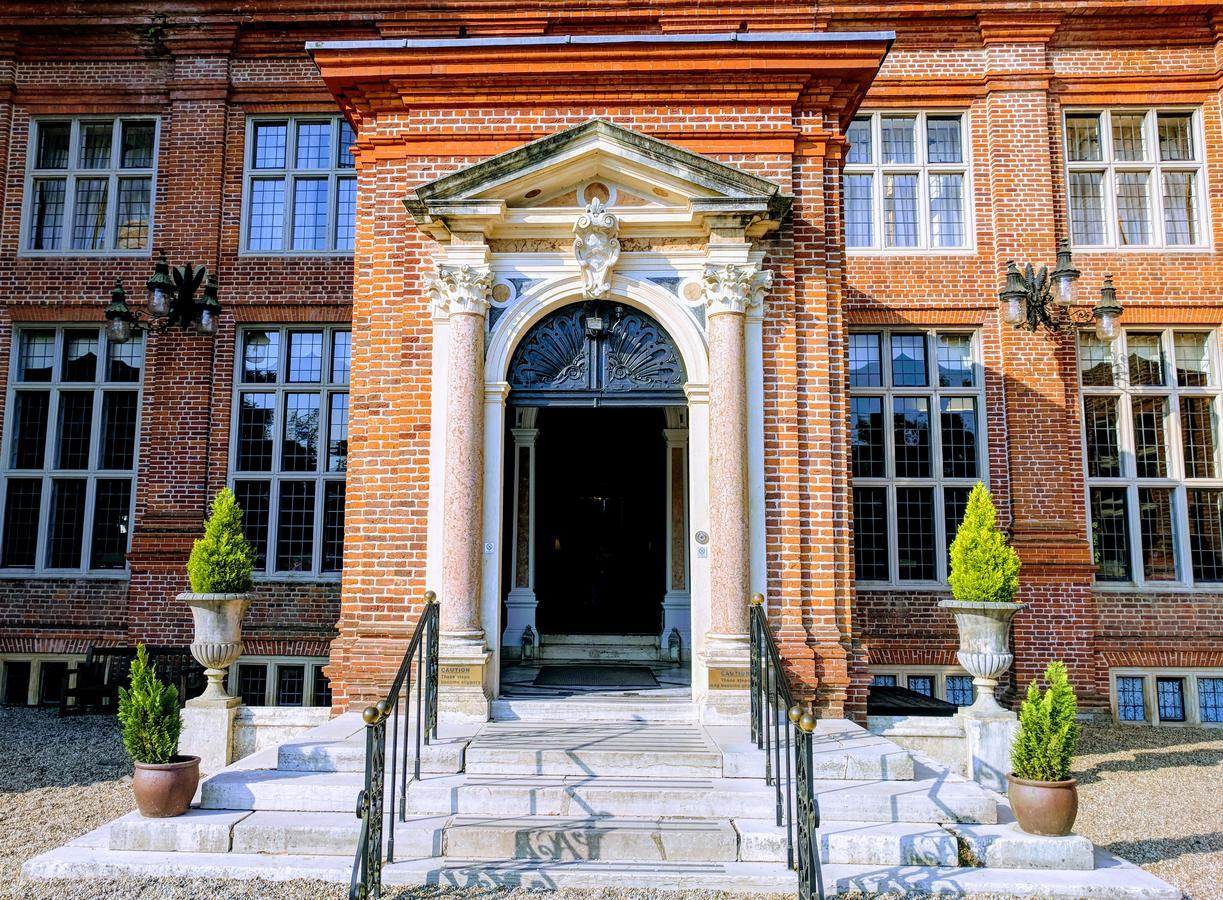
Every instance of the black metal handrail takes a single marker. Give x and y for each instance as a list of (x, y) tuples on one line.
[(366, 882), (788, 764)]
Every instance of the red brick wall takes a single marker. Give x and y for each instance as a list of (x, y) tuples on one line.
[(1012, 74)]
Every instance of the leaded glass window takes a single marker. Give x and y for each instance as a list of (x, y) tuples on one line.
[(1210, 699), (300, 186), (906, 182), (917, 448), (280, 681), (1134, 178), (71, 439), (960, 690), (922, 684), (1150, 408), (90, 188), (290, 445), (1131, 699), (1170, 694)]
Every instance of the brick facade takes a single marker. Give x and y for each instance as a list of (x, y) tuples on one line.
[(1011, 67)]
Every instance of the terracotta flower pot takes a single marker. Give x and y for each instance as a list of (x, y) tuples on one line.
[(1044, 807), (164, 790)]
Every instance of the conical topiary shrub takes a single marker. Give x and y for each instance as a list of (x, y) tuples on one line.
[(148, 712), (1048, 729), (222, 560), (984, 567)]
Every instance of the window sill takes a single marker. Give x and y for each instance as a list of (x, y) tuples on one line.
[(873, 252), (85, 254), (1192, 250), (1131, 587), (298, 578), (922, 587), (13, 574), (294, 254)]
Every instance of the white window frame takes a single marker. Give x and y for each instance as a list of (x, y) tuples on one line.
[(325, 388), (49, 473), (939, 673), (273, 664), (889, 481), (1175, 480), (1154, 166), (289, 174), (878, 169), (73, 172), (36, 661), (1190, 676)]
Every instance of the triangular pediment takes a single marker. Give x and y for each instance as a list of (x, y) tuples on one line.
[(537, 189)]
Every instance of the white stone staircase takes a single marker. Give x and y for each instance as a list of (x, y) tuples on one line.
[(627, 793)]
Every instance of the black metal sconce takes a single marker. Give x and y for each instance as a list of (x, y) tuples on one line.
[(1044, 299), (171, 302)]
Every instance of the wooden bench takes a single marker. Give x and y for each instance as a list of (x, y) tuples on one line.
[(94, 684)]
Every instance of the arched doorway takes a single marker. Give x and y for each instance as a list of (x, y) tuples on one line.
[(596, 503)]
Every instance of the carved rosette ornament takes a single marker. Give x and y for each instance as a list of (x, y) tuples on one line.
[(461, 289), (735, 289), (597, 247)]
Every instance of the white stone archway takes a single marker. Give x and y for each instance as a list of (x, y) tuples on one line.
[(509, 330)]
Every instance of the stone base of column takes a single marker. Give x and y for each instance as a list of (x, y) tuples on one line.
[(987, 744), (677, 615), (464, 679), (520, 607), (727, 701), (208, 732)]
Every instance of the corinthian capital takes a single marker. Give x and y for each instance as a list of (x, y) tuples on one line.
[(735, 289), (461, 289)]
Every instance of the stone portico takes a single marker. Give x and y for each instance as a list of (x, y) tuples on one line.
[(696, 235)]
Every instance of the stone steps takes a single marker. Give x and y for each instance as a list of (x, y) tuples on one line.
[(1111, 879), (587, 648), (594, 709), (505, 795), (284, 833), (854, 843), (560, 838), (276, 790), (442, 756), (593, 750)]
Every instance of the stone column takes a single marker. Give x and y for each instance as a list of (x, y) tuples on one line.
[(464, 291), (677, 600), (730, 289), (520, 604)]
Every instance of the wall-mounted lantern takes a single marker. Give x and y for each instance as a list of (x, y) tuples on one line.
[(1044, 299), (171, 302)]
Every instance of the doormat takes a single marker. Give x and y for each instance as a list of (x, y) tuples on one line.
[(596, 676)]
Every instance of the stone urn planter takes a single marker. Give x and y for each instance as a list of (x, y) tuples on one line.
[(1046, 808), (985, 647), (217, 641), (164, 790)]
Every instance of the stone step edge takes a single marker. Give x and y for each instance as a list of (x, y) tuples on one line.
[(1112, 878)]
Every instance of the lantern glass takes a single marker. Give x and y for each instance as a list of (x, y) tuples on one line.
[(159, 303), (1013, 311), (118, 330), (1108, 326), (207, 322), (1067, 290)]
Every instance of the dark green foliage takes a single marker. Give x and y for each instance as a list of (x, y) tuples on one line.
[(984, 567), (221, 561), (149, 714), (1048, 732)]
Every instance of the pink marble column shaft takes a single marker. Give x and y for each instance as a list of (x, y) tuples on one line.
[(728, 509), (463, 510)]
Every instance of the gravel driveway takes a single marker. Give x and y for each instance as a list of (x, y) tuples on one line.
[(1154, 796)]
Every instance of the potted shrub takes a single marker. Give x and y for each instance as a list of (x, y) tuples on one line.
[(1044, 797), (220, 573), (984, 579), (162, 781)]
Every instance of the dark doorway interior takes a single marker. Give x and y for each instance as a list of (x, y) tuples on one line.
[(600, 526)]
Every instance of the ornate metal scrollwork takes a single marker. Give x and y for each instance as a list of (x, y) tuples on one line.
[(588, 352)]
